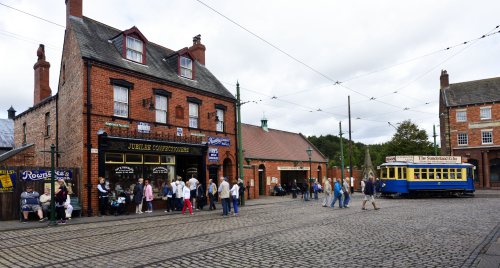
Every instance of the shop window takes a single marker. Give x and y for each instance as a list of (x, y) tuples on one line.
[(487, 136), (485, 113), (461, 116), (151, 159), (193, 115), (120, 101), (220, 120), (463, 139), (168, 159), (161, 105), (113, 158), (133, 158)]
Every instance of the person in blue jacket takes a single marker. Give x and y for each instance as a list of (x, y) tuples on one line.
[(337, 194)]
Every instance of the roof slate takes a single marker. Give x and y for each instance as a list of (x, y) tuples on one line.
[(473, 92), (277, 145), (6, 133), (94, 40)]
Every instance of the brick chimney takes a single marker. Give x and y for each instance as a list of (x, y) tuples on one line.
[(42, 68), (198, 50), (11, 113), (73, 8), (445, 81)]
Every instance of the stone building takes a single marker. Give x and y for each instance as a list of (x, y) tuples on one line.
[(470, 125), (278, 157), (127, 108)]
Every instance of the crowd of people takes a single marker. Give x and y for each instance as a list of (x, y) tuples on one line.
[(342, 191)]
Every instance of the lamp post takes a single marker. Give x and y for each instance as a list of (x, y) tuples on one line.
[(309, 151)]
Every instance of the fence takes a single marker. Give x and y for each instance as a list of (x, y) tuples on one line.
[(13, 182)]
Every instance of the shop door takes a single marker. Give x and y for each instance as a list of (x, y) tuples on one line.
[(262, 180), (213, 173)]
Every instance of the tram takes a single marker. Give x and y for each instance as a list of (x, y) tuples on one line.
[(411, 175)]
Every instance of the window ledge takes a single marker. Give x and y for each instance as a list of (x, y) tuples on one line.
[(136, 62)]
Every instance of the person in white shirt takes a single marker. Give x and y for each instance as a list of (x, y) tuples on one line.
[(352, 184), (193, 183), (68, 207), (174, 195), (186, 194), (235, 195)]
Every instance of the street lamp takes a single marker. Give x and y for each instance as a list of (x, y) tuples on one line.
[(309, 151)]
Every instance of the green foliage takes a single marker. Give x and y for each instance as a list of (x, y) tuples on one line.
[(408, 140)]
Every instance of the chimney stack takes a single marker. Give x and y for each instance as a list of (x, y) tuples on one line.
[(42, 68), (198, 50), (445, 81), (11, 113), (74, 8)]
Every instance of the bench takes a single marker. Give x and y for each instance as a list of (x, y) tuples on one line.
[(75, 203)]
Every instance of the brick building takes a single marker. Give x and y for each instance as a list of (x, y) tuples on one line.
[(278, 157), (7, 131), (127, 108), (470, 125)]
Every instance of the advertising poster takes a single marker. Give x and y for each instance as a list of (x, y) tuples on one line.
[(7, 180), (213, 154)]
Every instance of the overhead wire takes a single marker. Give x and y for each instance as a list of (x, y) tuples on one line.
[(32, 15)]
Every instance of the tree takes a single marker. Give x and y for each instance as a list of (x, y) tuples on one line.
[(409, 140)]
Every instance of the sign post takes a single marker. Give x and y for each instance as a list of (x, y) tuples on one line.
[(53, 176)]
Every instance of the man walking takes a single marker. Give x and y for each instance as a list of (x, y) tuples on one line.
[(212, 190), (369, 191), (327, 188), (193, 184), (224, 195)]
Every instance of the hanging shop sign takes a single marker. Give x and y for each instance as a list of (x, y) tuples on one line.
[(196, 134), (213, 154), (219, 141), (180, 132), (7, 180), (124, 170), (143, 127), (112, 124), (160, 170), (151, 147), (36, 175)]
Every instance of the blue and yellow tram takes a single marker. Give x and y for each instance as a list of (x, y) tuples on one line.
[(409, 175)]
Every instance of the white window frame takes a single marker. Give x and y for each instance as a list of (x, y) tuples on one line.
[(461, 118), (135, 49), (483, 115), (219, 127), (483, 132), (161, 106), (465, 137), (120, 101), (186, 65), (194, 115)]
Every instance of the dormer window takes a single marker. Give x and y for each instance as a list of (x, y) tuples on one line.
[(186, 67), (135, 48)]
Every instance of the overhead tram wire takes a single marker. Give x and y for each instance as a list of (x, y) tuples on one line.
[(28, 40), (32, 15)]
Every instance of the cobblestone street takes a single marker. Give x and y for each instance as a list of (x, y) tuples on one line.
[(271, 232)]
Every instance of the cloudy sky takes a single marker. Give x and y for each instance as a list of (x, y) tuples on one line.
[(374, 48)]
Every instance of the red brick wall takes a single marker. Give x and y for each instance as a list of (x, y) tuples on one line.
[(26, 158), (336, 172), (271, 170), (473, 118)]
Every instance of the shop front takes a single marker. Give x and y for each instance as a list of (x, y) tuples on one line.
[(123, 161)]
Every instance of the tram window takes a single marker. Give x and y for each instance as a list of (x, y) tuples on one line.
[(384, 172), (402, 173), (431, 173), (416, 173), (392, 173), (438, 173), (445, 173), (470, 174), (452, 173), (424, 174), (459, 173)]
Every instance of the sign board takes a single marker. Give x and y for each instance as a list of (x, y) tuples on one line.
[(252, 183), (425, 159), (179, 132), (160, 170), (293, 168), (7, 180), (268, 180), (112, 124), (151, 147), (219, 141), (143, 127), (196, 134), (274, 180), (213, 154), (124, 170), (94, 151), (36, 175)]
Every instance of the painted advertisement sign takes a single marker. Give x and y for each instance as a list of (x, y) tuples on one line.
[(36, 175), (219, 141), (7, 180), (213, 154)]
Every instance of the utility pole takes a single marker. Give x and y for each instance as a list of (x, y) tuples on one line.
[(341, 151), (52, 152), (240, 143), (350, 140), (435, 145)]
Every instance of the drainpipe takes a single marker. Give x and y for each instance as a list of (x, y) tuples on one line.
[(89, 145), (57, 130)]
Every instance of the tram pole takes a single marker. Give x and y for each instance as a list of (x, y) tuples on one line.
[(341, 152), (240, 143), (435, 145)]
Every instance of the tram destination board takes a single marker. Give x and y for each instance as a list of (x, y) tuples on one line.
[(425, 159)]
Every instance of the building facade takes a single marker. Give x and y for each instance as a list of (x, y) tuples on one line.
[(278, 157), (470, 126), (128, 108)]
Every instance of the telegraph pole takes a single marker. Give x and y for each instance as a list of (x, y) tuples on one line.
[(341, 151), (240, 143), (350, 140), (435, 145)]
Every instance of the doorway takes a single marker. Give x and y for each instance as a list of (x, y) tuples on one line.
[(262, 180)]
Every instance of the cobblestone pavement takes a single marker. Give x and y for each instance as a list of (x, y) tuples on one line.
[(272, 232)]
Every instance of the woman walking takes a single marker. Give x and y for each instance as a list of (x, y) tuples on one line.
[(347, 196), (148, 195), (186, 193), (138, 196), (167, 196), (60, 198), (212, 190), (200, 197), (327, 188), (235, 192)]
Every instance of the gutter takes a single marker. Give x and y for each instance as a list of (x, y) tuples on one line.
[(89, 145)]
